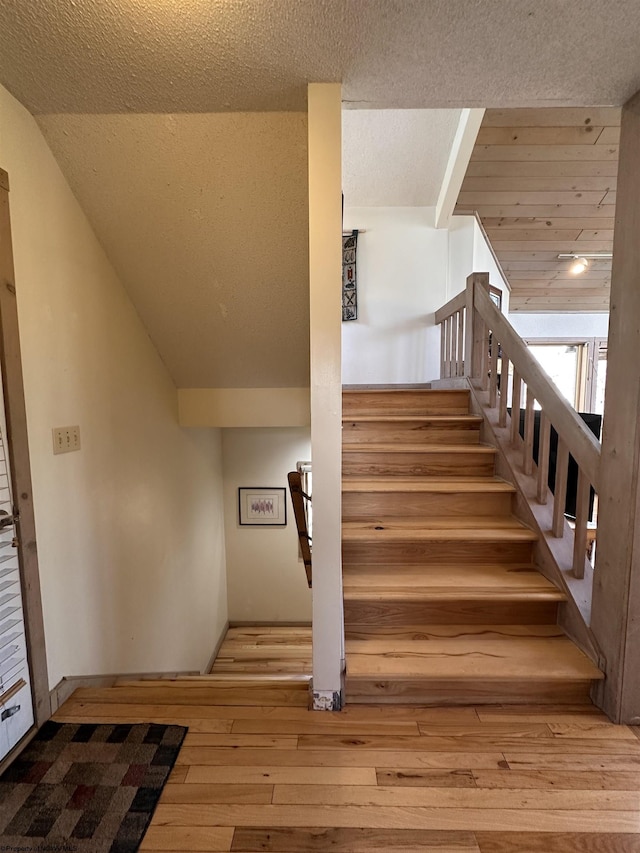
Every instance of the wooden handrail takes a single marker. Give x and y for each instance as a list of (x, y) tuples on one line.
[(582, 444), (298, 498), (453, 305), (474, 337)]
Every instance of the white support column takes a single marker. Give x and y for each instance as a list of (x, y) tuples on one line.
[(325, 285)]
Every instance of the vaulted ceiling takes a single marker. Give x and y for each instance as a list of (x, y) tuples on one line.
[(543, 183)]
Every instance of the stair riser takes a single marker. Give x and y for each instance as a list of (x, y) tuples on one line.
[(466, 692), (413, 403), (415, 505), (440, 551), (367, 615), (417, 464), (383, 433)]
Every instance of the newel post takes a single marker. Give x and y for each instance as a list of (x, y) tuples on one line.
[(615, 611), (475, 328)]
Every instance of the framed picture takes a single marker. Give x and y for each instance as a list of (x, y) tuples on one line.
[(262, 506)]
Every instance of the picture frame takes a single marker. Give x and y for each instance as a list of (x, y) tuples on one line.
[(261, 506)]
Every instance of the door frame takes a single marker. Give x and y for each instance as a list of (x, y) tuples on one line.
[(18, 448)]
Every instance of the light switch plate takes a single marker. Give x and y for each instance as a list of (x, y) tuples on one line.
[(66, 439)]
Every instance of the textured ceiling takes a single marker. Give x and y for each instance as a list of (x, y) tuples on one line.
[(212, 55), (395, 157), (205, 217)]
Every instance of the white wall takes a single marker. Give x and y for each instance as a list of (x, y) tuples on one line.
[(265, 577), (130, 528), (560, 325), (402, 281), (483, 261), (461, 237), (407, 269)]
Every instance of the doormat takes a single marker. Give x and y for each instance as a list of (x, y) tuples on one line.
[(349, 283), (84, 788)]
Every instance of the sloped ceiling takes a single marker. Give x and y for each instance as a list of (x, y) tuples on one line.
[(205, 217), (543, 182), (395, 158), (211, 55)]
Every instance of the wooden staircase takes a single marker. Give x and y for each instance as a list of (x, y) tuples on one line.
[(443, 604)]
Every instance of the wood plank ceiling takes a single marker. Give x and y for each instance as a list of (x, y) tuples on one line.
[(543, 183)]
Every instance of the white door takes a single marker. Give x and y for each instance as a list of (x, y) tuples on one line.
[(16, 704)]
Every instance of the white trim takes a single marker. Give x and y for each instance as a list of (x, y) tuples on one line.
[(459, 156)]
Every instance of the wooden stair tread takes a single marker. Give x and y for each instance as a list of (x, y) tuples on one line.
[(450, 631), (431, 419), (473, 529), (425, 484), (401, 447), (517, 658), (501, 581)]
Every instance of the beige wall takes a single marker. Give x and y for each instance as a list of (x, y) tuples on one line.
[(130, 529), (265, 577)]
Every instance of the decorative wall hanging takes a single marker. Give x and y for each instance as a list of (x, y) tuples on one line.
[(349, 285), (260, 506)]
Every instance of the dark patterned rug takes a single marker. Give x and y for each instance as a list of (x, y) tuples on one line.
[(84, 788)]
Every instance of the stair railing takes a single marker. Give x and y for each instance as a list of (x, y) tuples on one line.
[(300, 490), (483, 351)]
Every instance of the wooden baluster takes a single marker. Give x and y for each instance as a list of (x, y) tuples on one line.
[(560, 490), (485, 366), (529, 420), (493, 379), (504, 391), (461, 334), (515, 407), (543, 458), (443, 327), (582, 520), (447, 348), (454, 345)]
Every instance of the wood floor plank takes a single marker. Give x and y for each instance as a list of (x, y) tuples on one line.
[(190, 839), (394, 817), (230, 693), (209, 715), (598, 760), (270, 775), (557, 842), (491, 730), (408, 777), (556, 746), (328, 725), (349, 757), (178, 775), (447, 798), (212, 725), (583, 780), (232, 741), (591, 730), (350, 840), (218, 793)]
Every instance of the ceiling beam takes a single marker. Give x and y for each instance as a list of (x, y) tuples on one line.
[(459, 156)]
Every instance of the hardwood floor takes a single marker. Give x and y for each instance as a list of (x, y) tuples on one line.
[(269, 775)]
